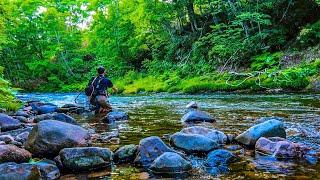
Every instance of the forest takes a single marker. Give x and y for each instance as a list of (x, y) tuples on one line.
[(188, 46)]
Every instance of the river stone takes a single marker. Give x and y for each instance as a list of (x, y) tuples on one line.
[(42, 117), (126, 154), (16, 132), (64, 118), (270, 128), (13, 171), (22, 113), (170, 162), (193, 143), (44, 108), (149, 149), (197, 116), (116, 116), (6, 138), (280, 148), (192, 105), (85, 158), (56, 116), (217, 136), (11, 153), (22, 137), (264, 119), (23, 119), (48, 137), (218, 160), (8, 123), (48, 169)]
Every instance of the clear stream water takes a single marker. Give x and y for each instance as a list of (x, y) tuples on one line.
[(159, 115)]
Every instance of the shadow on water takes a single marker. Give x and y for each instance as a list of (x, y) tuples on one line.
[(159, 115)]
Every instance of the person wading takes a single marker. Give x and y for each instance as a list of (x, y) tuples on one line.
[(97, 91)]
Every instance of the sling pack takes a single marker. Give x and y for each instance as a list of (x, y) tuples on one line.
[(90, 89)]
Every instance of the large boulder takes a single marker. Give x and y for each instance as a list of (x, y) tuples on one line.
[(270, 128), (48, 137), (85, 158), (13, 171), (149, 149), (44, 108), (218, 160), (196, 116), (114, 116), (217, 136), (126, 154), (8, 123), (56, 116), (11, 153), (170, 162), (193, 143), (280, 148)]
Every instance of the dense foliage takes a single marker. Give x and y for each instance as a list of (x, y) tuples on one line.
[(161, 45), (7, 99)]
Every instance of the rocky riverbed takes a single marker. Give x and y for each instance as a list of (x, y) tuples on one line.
[(222, 136)]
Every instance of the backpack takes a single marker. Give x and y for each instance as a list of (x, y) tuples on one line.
[(90, 89)]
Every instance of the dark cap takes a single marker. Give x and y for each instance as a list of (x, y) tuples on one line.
[(101, 70)]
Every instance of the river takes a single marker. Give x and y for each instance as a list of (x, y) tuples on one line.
[(159, 115)]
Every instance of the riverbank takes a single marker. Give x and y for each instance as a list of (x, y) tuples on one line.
[(300, 78)]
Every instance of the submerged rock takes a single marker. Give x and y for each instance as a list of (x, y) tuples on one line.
[(280, 148), (197, 116), (217, 136), (11, 171), (71, 108), (11, 153), (8, 123), (149, 149), (48, 137), (193, 143), (126, 154), (115, 116), (85, 158), (170, 162), (218, 160), (270, 128)]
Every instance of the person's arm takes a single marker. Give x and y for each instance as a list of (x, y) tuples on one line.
[(110, 85)]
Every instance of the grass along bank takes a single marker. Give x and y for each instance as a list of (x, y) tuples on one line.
[(7, 98), (304, 76)]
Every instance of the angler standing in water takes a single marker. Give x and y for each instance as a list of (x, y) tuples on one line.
[(97, 91)]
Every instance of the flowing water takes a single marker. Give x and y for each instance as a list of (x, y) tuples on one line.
[(159, 115)]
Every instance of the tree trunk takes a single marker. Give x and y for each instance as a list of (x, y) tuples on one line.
[(191, 14)]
